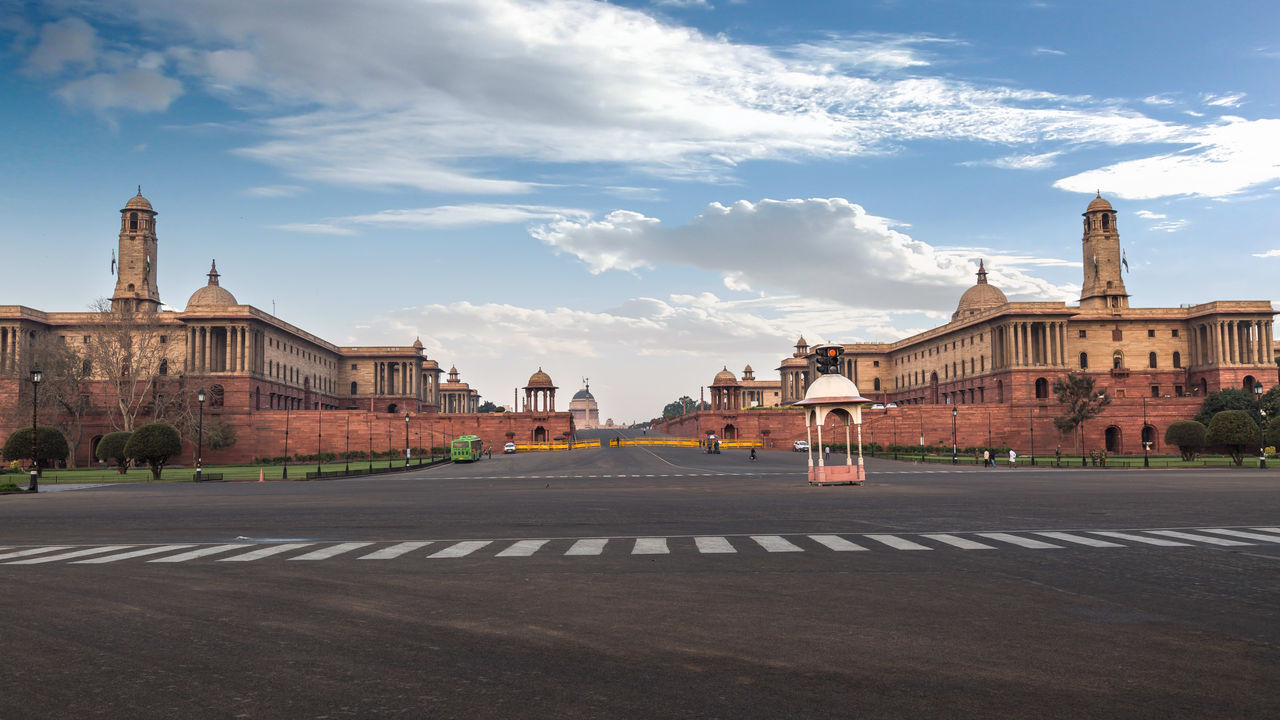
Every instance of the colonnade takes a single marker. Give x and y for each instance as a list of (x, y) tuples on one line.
[(1232, 342), (726, 397), (1022, 343), (10, 344), (539, 399), (219, 348)]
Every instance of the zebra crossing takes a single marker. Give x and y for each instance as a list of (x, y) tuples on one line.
[(317, 550), (722, 473)]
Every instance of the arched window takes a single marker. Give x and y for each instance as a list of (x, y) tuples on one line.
[(1117, 360), (1151, 359), (876, 384), (1113, 439), (164, 367), (1084, 361), (353, 387), (1177, 359), (1042, 388), (999, 391), (215, 396), (86, 367), (133, 221), (1106, 221)]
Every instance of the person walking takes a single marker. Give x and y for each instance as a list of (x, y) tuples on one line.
[(986, 458), (826, 454), (1057, 456), (1013, 458)]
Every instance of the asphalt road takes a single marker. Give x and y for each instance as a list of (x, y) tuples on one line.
[(646, 583)]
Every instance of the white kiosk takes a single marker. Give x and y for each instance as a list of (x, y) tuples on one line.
[(829, 393)]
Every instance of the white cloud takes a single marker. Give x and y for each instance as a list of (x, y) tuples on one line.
[(1170, 225), (442, 216), (68, 42), (275, 191), (1230, 100), (138, 90), (1020, 162), (833, 245), (1267, 254), (1224, 159), (1047, 51), (1158, 100), (315, 229), (684, 3), (1148, 215)]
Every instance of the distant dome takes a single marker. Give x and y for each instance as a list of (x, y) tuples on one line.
[(211, 295), (137, 202), (1099, 204), (417, 344), (724, 377), (583, 395), (981, 296), (540, 379), (747, 369)]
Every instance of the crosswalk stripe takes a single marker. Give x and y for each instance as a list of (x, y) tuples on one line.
[(837, 543), (651, 546), (462, 549), (394, 551), (69, 555), (332, 550), (1198, 538), (1270, 530), (962, 543), (1079, 539), (193, 554), (1137, 538), (522, 548), (1021, 541), (776, 543), (587, 546), (33, 551), (713, 545), (265, 552), (1249, 535), (128, 555), (897, 543)]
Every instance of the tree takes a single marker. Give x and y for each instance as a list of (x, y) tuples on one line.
[(1233, 430), (128, 352), (111, 449), (1188, 435), (1076, 395), (220, 435), (684, 404), (1230, 399), (63, 399), (51, 446), (489, 407), (154, 444)]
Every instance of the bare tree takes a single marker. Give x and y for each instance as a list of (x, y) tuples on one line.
[(64, 391), (129, 355)]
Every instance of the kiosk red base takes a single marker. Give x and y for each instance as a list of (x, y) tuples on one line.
[(837, 475)]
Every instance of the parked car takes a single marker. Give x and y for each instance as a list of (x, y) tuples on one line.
[(892, 405), (509, 448), (800, 446), (877, 406)]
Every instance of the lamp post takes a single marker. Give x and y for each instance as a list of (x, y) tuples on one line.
[(286, 443), (200, 435), (36, 377), (406, 441), (1146, 460), (1031, 426), (954, 459), (346, 454), (1262, 443), (370, 442), (319, 434)]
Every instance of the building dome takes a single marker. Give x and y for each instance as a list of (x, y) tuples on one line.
[(540, 379), (583, 395), (137, 202), (212, 295), (724, 377), (1099, 204), (417, 344), (981, 296)]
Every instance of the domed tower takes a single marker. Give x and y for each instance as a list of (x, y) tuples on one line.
[(1103, 287), (211, 295), (982, 296), (540, 393), (136, 289), (726, 393), (583, 408)]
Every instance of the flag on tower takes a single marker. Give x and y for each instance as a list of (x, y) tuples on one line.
[(113, 262), (146, 270), (1124, 260)]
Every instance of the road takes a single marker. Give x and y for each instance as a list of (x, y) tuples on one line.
[(649, 582)]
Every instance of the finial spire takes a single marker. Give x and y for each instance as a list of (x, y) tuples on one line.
[(982, 273), (139, 191), (213, 273)]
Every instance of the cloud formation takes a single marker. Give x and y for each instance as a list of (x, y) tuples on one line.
[(441, 216)]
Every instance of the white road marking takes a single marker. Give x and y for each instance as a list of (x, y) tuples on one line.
[(214, 549), (962, 543), (651, 546), (776, 543), (1270, 530), (897, 543), (1249, 535), (1197, 538), (1080, 539), (326, 553), (712, 545), (33, 551), (265, 552), (1021, 541), (1137, 538), (462, 549), (394, 551), (128, 555), (69, 555), (587, 546), (523, 548), (837, 543)]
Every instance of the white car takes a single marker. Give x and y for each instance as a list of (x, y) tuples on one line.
[(877, 406), (509, 448), (800, 446), (892, 405)]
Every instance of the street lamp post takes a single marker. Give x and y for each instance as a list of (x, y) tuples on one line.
[(286, 441), (1146, 460), (319, 435), (954, 459), (36, 377), (346, 454), (1262, 442), (1031, 425), (406, 441), (200, 436)]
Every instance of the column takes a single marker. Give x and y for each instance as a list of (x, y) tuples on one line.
[(1257, 348)]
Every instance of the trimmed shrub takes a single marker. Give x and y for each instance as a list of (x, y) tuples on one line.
[(154, 444), (1187, 435), (1233, 430), (111, 449), (51, 446)]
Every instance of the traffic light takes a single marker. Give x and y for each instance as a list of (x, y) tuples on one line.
[(828, 358)]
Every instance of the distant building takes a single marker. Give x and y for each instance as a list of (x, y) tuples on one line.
[(583, 407)]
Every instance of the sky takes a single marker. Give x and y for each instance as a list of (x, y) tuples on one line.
[(642, 192)]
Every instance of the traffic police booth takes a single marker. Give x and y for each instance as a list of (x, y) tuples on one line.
[(833, 393)]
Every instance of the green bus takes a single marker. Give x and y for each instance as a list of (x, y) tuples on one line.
[(467, 448)]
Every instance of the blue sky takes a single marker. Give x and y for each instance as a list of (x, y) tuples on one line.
[(636, 192)]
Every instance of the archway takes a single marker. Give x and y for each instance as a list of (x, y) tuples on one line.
[(1149, 437), (933, 388), (1204, 386), (729, 433), (392, 408), (539, 434), (1042, 388), (93, 448), (1113, 439), (999, 391), (1248, 383)]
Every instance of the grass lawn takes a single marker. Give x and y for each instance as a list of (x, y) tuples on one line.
[(1114, 461), (297, 471)]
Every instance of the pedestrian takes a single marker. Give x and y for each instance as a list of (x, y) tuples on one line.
[(1057, 456), (986, 458), (826, 453), (1013, 458)]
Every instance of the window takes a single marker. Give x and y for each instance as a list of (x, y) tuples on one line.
[(1117, 335), (164, 367), (164, 339), (1084, 359), (1177, 390), (1151, 360), (1175, 332), (876, 384), (1177, 359), (133, 221), (215, 396), (1082, 333), (1151, 333), (1042, 388), (85, 368), (875, 363), (1155, 391), (353, 366), (1117, 361), (1106, 221), (86, 339)]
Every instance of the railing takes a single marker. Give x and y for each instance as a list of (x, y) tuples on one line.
[(395, 466)]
